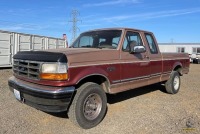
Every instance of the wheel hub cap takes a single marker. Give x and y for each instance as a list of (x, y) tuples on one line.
[(92, 106), (176, 83)]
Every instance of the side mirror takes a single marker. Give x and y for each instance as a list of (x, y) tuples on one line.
[(137, 49)]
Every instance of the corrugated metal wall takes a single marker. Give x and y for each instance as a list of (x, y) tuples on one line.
[(6, 43), (12, 42)]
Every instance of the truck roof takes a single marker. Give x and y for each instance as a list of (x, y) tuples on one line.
[(119, 28)]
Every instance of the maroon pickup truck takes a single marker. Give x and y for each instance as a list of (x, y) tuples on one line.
[(99, 62)]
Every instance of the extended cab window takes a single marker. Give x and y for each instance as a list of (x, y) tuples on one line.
[(131, 38), (151, 44)]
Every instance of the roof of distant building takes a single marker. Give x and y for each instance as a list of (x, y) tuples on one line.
[(178, 43)]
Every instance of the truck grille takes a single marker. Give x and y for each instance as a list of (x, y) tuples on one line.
[(28, 69)]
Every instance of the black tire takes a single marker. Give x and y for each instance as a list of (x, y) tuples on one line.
[(173, 84), (89, 106)]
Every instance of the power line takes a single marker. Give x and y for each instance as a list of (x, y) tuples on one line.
[(12, 23), (74, 21)]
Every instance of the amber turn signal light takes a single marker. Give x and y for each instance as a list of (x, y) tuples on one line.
[(50, 76)]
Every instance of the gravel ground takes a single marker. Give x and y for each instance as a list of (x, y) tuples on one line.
[(144, 110)]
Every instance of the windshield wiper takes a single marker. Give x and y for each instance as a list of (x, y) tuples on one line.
[(87, 46), (108, 47)]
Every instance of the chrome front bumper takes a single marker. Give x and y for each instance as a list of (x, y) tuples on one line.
[(45, 98)]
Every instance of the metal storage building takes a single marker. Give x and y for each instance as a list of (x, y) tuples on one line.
[(190, 48), (12, 42)]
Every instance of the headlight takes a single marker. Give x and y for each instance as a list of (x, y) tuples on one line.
[(54, 71)]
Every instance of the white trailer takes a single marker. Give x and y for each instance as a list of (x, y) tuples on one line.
[(190, 48), (12, 42), (193, 49)]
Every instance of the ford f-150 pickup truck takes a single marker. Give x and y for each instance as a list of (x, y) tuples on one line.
[(99, 62)]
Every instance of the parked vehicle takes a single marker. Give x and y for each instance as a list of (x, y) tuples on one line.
[(99, 62), (191, 60), (195, 58)]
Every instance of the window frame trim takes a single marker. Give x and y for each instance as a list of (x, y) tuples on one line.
[(124, 50)]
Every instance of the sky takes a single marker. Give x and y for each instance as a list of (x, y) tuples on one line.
[(175, 21)]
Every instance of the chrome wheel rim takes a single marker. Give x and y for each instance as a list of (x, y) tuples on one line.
[(176, 83), (92, 106)]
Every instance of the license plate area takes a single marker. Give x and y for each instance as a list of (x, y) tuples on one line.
[(17, 94)]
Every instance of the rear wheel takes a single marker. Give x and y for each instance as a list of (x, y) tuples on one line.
[(173, 84), (89, 106)]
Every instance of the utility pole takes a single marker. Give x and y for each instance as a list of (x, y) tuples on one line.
[(74, 21)]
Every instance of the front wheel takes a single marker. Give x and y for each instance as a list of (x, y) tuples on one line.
[(89, 106), (173, 84)]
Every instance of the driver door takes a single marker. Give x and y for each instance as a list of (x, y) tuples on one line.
[(135, 68)]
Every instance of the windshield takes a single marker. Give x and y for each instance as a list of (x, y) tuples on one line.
[(98, 39)]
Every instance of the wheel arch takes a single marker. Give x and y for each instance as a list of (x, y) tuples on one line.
[(100, 79), (178, 67)]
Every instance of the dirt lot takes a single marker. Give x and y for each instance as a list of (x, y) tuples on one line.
[(143, 110)]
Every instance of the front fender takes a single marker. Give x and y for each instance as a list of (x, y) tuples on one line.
[(78, 73)]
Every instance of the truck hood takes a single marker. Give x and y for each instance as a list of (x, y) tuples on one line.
[(71, 51), (72, 56), (88, 56)]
